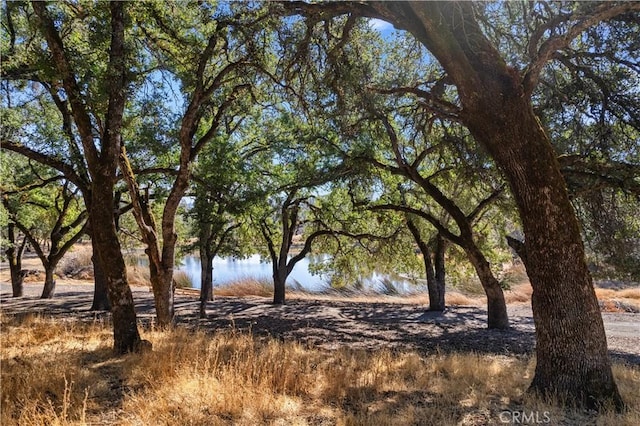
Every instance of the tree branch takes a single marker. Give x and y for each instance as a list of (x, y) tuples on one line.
[(66, 169), (81, 116), (600, 12)]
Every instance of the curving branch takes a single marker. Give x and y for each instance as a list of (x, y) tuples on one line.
[(66, 169), (484, 203), (431, 102), (36, 185), (600, 12)]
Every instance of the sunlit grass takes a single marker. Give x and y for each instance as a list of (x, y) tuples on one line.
[(246, 287), (63, 372), (182, 279)]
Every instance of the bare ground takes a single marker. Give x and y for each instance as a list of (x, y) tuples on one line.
[(331, 323)]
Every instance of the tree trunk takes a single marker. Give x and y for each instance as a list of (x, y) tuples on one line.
[(440, 274), (14, 257), (206, 280), (161, 278), (571, 346), (100, 295), (17, 281), (109, 255), (432, 285), (161, 261), (571, 349), (496, 305), (435, 277), (279, 280), (49, 282)]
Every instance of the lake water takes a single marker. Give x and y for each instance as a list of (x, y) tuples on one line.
[(226, 270)]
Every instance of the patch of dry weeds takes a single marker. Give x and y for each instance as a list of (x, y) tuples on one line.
[(63, 373)]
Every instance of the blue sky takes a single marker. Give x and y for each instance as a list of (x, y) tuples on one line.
[(380, 25)]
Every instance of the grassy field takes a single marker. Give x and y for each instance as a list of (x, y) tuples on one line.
[(63, 372)]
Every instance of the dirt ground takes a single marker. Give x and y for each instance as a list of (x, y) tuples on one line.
[(331, 323)]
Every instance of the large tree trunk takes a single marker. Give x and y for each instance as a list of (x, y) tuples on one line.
[(109, 255), (14, 257), (279, 281), (100, 294), (572, 357)]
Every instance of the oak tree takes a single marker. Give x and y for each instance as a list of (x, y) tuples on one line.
[(495, 98)]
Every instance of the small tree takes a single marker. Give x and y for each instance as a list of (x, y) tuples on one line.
[(224, 190), (62, 221), (214, 76), (296, 164), (13, 251), (433, 255)]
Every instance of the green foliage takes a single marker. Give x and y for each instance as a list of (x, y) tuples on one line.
[(301, 110)]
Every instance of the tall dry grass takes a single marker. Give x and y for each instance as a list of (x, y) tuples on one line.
[(77, 263), (246, 287), (62, 373)]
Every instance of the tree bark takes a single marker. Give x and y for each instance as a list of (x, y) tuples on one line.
[(433, 287), (440, 272), (279, 281), (434, 268), (109, 255), (206, 280), (161, 278), (572, 357), (496, 305), (49, 283), (100, 294), (14, 257)]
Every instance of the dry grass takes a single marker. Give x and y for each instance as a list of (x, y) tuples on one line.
[(454, 298), (77, 263), (182, 279), (619, 300), (629, 293), (138, 275), (520, 293), (246, 287), (61, 373)]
